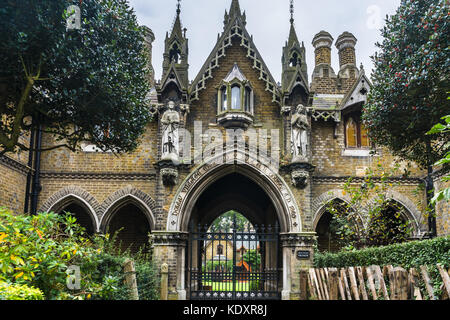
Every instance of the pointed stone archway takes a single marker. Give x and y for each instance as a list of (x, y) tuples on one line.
[(189, 206)]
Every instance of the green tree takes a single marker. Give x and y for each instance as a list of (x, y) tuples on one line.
[(225, 222), (87, 84), (410, 82), (253, 258)]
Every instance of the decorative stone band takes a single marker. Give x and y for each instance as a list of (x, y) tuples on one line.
[(344, 179), (303, 239), (97, 176), (326, 115), (166, 238), (14, 165)]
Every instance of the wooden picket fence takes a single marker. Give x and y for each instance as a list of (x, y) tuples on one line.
[(371, 283)]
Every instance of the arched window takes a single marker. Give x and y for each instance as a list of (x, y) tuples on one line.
[(219, 250), (365, 143), (236, 97), (356, 135), (248, 99), (351, 133), (223, 97)]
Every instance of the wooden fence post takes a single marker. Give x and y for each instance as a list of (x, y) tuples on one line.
[(353, 284), (399, 284), (380, 278), (445, 279), (362, 284), (130, 278), (372, 288), (164, 282), (428, 284), (304, 284), (345, 281), (333, 283), (414, 283)]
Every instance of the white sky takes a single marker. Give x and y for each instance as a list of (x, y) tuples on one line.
[(268, 22)]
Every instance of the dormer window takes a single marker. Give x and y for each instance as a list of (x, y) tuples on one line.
[(235, 100)]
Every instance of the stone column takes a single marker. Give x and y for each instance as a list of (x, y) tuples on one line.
[(298, 253), (169, 248)]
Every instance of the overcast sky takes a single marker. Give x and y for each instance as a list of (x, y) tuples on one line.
[(268, 22)]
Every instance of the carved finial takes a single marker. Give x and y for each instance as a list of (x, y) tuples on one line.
[(178, 7), (292, 11)]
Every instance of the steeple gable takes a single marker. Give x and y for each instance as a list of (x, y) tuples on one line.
[(235, 30), (294, 67), (176, 54), (235, 12)]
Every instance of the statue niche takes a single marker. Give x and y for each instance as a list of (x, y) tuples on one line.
[(300, 135), (170, 122)]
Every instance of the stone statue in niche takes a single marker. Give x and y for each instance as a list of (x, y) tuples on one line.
[(170, 139), (300, 133)]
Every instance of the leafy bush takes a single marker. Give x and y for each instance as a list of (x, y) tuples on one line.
[(37, 251), (19, 292)]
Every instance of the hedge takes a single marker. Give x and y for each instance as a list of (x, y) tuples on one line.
[(406, 255)]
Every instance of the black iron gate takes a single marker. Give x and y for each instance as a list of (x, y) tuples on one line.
[(236, 264)]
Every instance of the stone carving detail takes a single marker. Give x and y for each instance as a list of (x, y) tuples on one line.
[(299, 178), (169, 176), (170, 122), (300, 135)]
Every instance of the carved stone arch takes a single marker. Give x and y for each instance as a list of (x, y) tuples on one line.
[(319, 204), (126, 196), (207, 173), (73, 194), (412, 213)]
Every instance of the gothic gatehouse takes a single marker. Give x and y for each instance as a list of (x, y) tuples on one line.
[(230, 138)]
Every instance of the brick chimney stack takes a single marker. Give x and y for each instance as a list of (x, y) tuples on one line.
[(345, 44), (322, 44)]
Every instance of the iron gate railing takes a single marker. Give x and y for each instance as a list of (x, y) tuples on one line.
[(237, 264)]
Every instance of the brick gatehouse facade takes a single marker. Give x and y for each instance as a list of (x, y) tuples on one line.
[(162, 189)]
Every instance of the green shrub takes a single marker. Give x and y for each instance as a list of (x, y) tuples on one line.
[(406, 255), (19, 292), (36, 251)]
